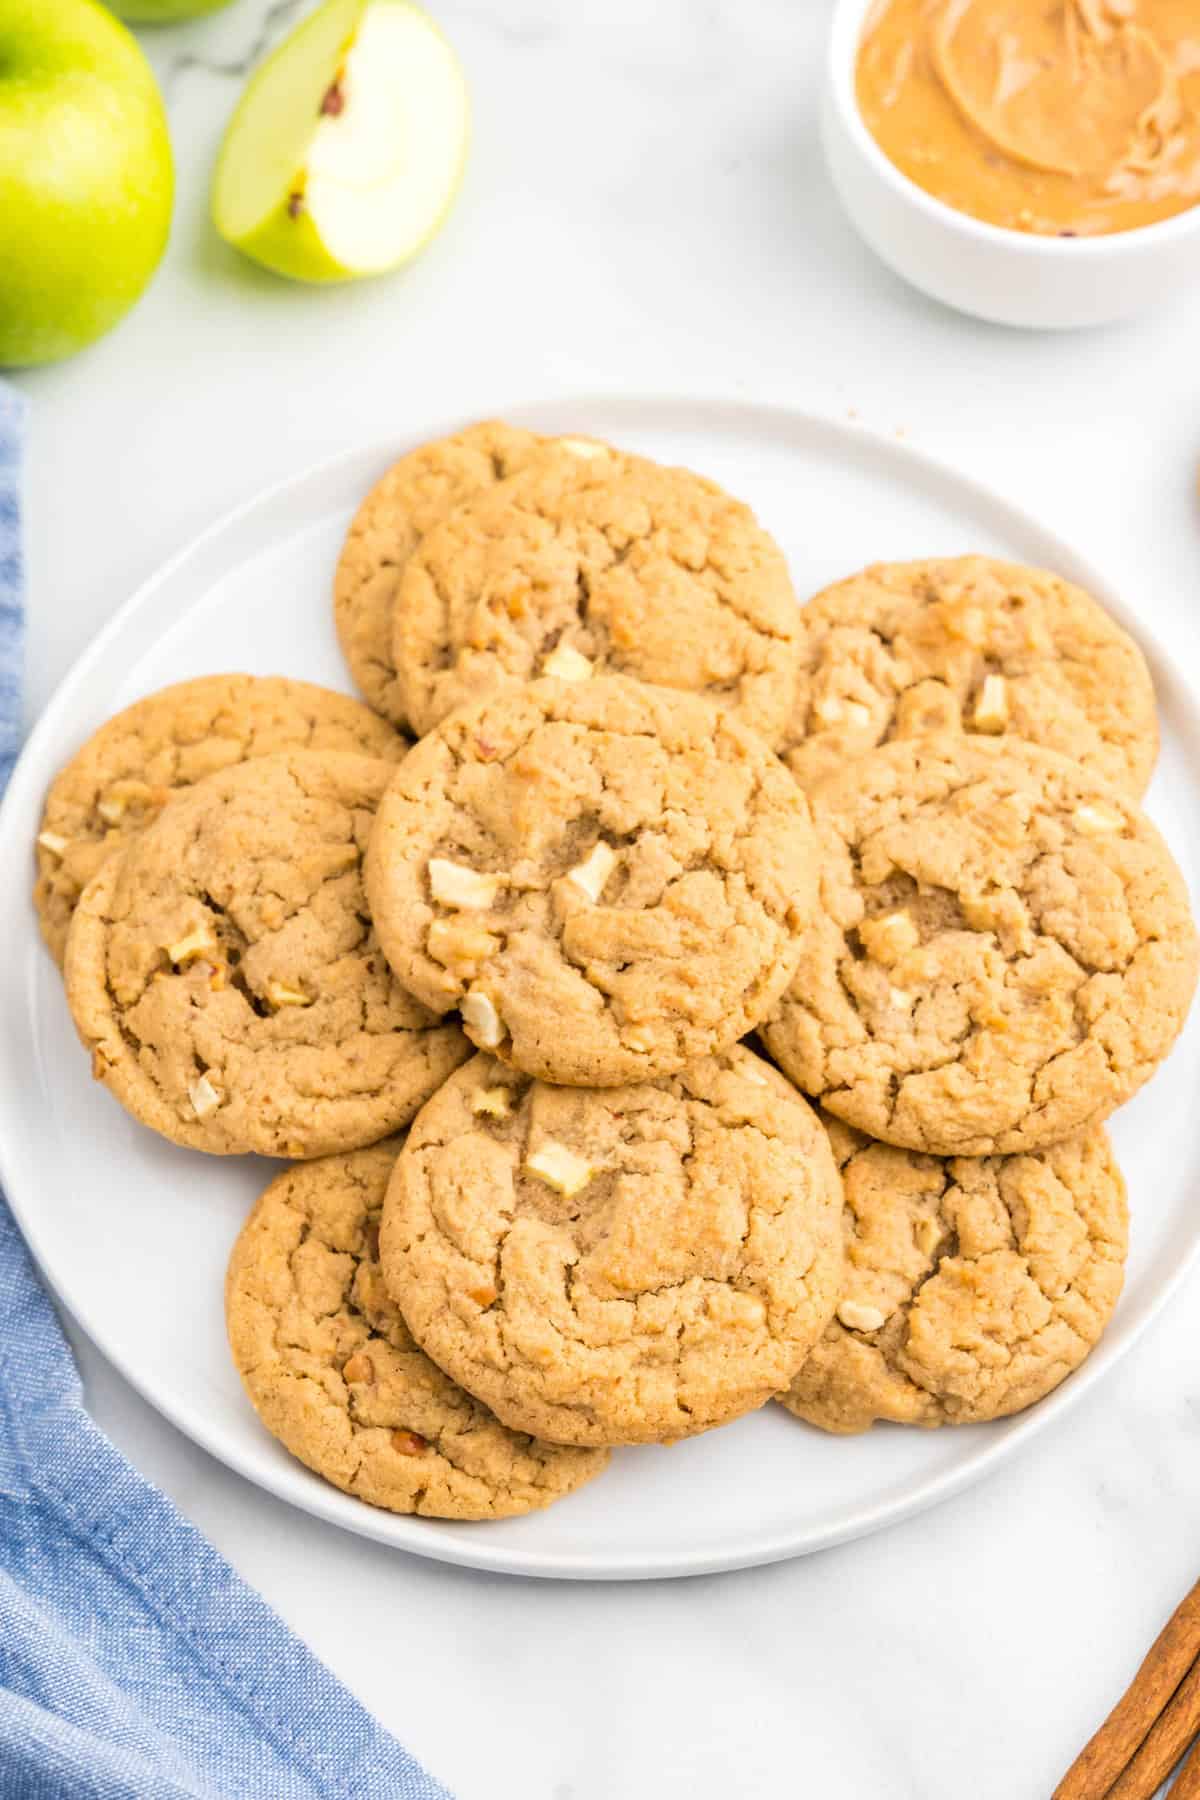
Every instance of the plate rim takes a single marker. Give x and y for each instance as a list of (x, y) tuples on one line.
[(289, 1481)]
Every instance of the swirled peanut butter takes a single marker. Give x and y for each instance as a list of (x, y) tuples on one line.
[(1064, 117)]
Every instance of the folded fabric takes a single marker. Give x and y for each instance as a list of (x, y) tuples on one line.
[(134, 1663)]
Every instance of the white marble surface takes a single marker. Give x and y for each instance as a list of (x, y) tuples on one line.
[(646, 209)]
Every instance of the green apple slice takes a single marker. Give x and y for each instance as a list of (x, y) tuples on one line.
[(348, 146)]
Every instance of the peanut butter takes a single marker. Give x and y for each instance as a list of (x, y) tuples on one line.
[(1069, 118)]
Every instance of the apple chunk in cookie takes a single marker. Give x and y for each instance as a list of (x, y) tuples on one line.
[(616, 1265), (607, 879)]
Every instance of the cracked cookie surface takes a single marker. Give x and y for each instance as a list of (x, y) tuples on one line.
[(335, 1374), (607, 878), (609, 565), (1003, 953), (414, 494), (620, 1265), (122, 777), (969, 644), (973, 1285), (227, 979)]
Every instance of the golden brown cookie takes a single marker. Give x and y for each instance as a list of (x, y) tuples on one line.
[(969, 644), (607, 878), (334, 1373), (125, 772), (621, 1265), (226, 978), (404, 504), (1003, 954), (601, 565), (973, 1285)]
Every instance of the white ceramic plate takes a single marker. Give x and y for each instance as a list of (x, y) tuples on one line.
[(133, 1234)]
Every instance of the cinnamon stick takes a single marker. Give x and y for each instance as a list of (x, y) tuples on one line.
[(1187, 1782), (1163, 1744), (1108, 1753)]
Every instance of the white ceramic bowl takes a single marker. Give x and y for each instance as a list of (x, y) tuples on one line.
[(1005, 276)]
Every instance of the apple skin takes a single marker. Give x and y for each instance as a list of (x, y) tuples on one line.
[(292, 247), (86, 177), (163, 12)]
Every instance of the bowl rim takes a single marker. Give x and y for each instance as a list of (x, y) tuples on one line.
[(845, 36)]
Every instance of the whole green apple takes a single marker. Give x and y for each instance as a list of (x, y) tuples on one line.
[(162, 12), (85, 176)]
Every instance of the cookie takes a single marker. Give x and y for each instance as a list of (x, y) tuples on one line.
[(607, 878), (973, 1285), (334, 1373), (616, 1266), (603, 565), (123, 775), (225, 975), (407, 502), (969, 644), (1004, 951)]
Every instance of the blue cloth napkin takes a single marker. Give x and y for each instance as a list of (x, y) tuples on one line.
[(134, 1664)]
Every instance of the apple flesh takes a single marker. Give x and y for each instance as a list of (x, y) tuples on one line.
[(85, 176), (348, 146)]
